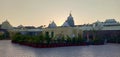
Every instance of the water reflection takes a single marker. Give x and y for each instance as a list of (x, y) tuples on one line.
[(7, 49)]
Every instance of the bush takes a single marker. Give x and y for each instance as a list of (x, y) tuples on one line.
[(69, 40), (1, 37), (28, 38), (98, 41)]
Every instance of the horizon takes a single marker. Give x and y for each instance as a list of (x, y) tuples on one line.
[(41, 12), (59, 25)]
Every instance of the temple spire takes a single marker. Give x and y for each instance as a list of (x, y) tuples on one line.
[(70, 20)]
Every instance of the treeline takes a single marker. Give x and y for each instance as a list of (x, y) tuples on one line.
[(46, 41)]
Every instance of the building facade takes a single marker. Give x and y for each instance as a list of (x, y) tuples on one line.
[(60, 32)]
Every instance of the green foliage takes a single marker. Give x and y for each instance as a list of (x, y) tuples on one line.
[(40, 39), (80, 39), (98, 41), (4, 36), (69, 39), (27, 38), (1, 37)]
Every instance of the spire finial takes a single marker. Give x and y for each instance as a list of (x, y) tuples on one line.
[(70, 13)]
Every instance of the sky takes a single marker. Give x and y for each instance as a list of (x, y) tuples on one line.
[(42, 12)]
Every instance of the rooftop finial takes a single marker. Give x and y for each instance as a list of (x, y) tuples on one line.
[(70, 13)]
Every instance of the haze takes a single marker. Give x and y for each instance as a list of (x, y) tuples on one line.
[(41, 12)]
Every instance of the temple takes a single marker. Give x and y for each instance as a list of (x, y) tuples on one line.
[(109, 28)]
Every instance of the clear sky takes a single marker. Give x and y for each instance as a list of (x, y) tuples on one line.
[(41, 12)]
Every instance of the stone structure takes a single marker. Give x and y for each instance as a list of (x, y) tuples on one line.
[(62, 32)]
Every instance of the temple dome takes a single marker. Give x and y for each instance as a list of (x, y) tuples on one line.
[(52, 25), (65, 24), (70, 20), (6, 25)]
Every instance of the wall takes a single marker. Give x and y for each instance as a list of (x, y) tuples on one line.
[(63, 31)]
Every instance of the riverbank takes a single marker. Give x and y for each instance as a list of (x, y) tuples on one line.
[(52, 45)]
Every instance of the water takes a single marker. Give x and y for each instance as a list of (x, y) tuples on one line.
[(8, 49)]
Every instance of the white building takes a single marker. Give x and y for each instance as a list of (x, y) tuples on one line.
[(109, 24)]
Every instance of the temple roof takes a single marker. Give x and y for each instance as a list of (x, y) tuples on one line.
[(6, 25), (65, 24), (52, 25)]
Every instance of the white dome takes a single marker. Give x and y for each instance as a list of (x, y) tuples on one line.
[(65, 24), (6, 25), (52, 25)]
